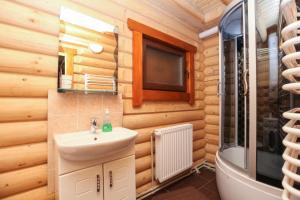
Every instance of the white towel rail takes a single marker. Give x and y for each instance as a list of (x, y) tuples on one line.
[(292, 73)]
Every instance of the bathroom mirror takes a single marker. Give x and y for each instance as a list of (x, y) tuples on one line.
[(88, 54)]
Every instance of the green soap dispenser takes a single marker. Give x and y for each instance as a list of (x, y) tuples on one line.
[(106, 127)]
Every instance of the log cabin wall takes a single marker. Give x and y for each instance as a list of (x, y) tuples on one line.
[(28, 53), (211, 78)]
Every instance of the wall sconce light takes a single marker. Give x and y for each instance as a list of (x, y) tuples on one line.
[(95, 48)]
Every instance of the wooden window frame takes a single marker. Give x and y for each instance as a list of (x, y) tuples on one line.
[(138, 93)]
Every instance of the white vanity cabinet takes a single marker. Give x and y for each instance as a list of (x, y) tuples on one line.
[(95, 166), (119, 179), (114, 180), (84, 184)]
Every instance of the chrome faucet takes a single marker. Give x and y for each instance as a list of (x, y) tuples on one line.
[(93, 123)]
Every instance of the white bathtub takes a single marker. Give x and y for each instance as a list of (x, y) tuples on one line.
[(234, 184)]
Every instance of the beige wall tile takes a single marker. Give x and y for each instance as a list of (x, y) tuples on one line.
[(58, 124), (91, 103), (61, 103)]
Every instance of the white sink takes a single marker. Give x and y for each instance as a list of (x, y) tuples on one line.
[(85, 145)]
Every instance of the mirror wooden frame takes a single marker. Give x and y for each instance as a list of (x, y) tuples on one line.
[(139, 94)]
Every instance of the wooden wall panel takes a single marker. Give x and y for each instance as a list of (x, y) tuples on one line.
[(17, 133), (211, 72), (22, 180), (28, 53), (28, 68)]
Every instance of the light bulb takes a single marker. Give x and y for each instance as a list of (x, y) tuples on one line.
[(96, 48)]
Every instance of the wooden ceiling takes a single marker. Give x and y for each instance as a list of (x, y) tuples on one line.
[(200, 14)]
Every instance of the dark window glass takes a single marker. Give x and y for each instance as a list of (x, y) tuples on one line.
[(163, 67)]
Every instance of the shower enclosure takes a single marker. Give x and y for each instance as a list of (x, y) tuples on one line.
[(251, 98), (234, 87)]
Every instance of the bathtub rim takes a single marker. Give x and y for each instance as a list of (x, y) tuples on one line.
[(240, 175)]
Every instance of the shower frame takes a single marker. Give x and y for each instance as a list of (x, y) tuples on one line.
[(249, 39)]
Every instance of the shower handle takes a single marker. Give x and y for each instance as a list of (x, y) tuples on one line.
[(246, 88), (219, 93)]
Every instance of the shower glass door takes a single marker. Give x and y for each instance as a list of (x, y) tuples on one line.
[(271, 100), (233, 87)]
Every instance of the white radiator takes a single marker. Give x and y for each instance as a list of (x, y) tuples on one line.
[(173, 150)]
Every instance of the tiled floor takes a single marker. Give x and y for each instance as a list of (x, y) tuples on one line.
[(194, 187)]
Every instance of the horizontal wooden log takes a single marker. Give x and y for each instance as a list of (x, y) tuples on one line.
[(18, 157), (153, 18), (143, 177), (201, 66), (197, 65), (124, 75), (40, 193), (125, 59), (152, 107), (199, 95), (211, 90), (93, 62), (27, 63), (52, 7), (211, 61), (103, 55), (212, 119), (19, 85), (211, 82), (22, 180), (78, 42), (143, 163), (26, 40), (23, 109), (199, 76), (198, 134), (212, 41), (211, 129), (212, 110), (211, 78), (81, 69), (198, 154), (199, 144), (212, 139), (17, 133), (142, 149), (211, 100), (125, 89), (144, 188), (125, 44), (111, 9), (199, 85), (28, 18), (211, 148), (210, 158), (144, 134), (157, 119), (81, 32), (211, 70), (211, 51)]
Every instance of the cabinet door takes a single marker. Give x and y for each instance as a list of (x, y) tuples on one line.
[(85, 184), (119, 179)]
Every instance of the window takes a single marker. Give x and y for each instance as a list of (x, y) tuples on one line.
[(163, 66)]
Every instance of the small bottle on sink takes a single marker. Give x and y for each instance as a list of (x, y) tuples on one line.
[(106, 127)]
